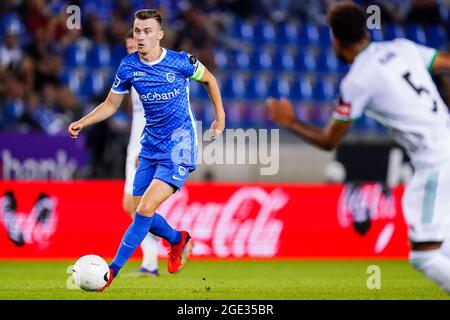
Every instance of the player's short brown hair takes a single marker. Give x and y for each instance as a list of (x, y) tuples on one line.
[(145, 14), (347, 22)]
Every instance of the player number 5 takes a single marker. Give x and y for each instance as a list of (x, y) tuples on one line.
[(418, 90)]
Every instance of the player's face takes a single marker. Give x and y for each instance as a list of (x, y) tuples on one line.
[(147, 34), (131, 45)]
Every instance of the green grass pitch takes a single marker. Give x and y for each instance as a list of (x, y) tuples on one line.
[(226, 280)]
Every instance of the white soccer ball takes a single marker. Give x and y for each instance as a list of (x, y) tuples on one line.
[(90, 272)]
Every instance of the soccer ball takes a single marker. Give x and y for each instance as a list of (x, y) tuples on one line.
[(90, 272)]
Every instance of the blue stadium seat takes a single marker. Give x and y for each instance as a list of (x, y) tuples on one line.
[(261, 60), (233, 87), (75, 56), (305, 61), (376, 35), (252, 116), (73, 78), (99, 56), (283, 60), (327, 61), (118, 52), (265, 32), (415, 33), (109, 75), (393, 31), (343, 67), (94, 83), (287, 33), (436, 37), (239, 60), (301, 89), (279, 87), (244, 30), (324, 90), (103, 9), (257, 88), (309, 34), (11, 23), (221, 58), (324, 36)]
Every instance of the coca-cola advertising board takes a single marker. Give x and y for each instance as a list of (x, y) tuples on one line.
[(70, 219)]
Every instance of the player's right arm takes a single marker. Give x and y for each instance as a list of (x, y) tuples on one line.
[(102, 112), (354, 97), (327, 138), (441, 62)]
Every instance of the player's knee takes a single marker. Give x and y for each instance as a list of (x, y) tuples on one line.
[(147, 208)]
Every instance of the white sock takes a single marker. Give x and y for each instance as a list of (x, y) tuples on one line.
[(434, 265), (150, 249)]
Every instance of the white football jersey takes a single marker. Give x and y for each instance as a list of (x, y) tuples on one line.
[(137, 125), (391, 82)]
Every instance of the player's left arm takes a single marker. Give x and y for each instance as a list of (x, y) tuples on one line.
[(327, 138), (212, 88)]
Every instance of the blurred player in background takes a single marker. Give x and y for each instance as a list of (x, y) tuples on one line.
[(169, 142), (150, 243), (391, 82)]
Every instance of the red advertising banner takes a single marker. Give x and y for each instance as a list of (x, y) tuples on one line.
[(70, 219)]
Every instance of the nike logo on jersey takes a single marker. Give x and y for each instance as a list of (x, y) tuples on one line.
[(126, 245), (176, 178)]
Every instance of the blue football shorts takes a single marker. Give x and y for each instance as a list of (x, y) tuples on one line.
[(165, 170)]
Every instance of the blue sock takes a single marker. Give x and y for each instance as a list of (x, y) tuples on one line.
[(162, 229), (134, 235)]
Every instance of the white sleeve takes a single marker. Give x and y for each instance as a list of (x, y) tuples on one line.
[(354, 98), (426, 54)]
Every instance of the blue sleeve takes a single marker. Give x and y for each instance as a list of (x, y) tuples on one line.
[(122, 81)]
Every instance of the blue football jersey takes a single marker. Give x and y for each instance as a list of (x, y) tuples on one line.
[(163, 88)]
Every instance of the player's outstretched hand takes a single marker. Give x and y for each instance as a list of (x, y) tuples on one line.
[(75, 128), (281, 112), (217, 128)]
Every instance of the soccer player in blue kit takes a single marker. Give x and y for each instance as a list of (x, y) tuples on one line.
[(169, 141)]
